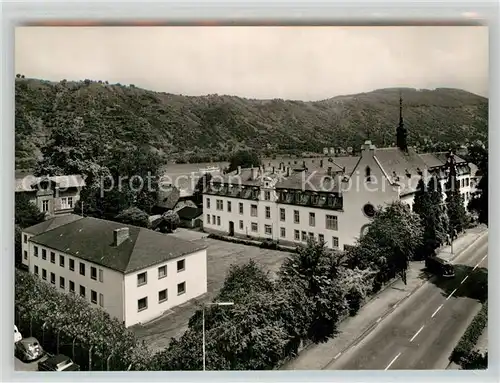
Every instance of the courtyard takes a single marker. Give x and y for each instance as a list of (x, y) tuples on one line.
[(221, 255)]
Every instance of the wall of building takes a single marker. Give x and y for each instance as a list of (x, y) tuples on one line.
[(194, 275), (111, 286)]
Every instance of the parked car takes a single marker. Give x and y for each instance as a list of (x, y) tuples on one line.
[(58, 363), (440, 267), (28, 350), (17, 335)]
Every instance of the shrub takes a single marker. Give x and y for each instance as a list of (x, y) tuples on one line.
[(470, 337)]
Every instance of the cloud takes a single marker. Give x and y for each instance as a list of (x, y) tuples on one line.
[(307, 63)]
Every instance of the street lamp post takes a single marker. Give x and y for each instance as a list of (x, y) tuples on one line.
[(203, 323)]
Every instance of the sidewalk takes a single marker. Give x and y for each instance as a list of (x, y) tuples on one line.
[(353, 329)]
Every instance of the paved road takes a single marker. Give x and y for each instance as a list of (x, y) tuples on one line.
[(422, 332)]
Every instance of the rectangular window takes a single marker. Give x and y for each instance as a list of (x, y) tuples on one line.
[(162, 296), (241, 225), (253, 211), (25, 254), (311, 235), (52, 278), (218, 220), (61, 283), (162, 272), (44, 254), (93, 273), (36, 252), (142, 278), (229, 206), (45, 206), (61, 260), (208, 203), (52, 256), (241, 207), (181, 265), (255, 227), (101, 275), (296, 235), (268, 229), (282, 214), (467, 182), (70, 202), (25, 238), (321, 238), (213, 219), (312, 219), (267, 196), (71, 286), (101, 300), (304, 236), (66, 202), (282, 232), (181, 288), (219, 204), (208, 218), (268, 212), (335, 242), (142, 304), (36, 270), (93, 296), (331, 222), (72, 264), (82, 291), (82, 268), (296, 216), (44, 274)]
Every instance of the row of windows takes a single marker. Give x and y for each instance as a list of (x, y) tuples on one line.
[(142, 278), (66, 203), (71, 263), (213, 221), (298, 235), (71, 286), (142, 304)]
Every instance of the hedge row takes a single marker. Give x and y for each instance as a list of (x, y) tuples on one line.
[(266, 244), (469, 340)]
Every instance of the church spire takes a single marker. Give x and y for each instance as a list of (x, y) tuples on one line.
[(401, 133)]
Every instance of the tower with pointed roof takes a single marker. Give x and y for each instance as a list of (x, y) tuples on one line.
[(401, 133)]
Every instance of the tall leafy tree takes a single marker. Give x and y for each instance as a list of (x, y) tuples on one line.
[(26, 213), (245, 159), (133, 216), (392, 240)]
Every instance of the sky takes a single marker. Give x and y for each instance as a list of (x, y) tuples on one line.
[(300, 63)]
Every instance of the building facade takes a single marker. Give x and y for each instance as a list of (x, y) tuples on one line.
[(133, 273), (53, 196)]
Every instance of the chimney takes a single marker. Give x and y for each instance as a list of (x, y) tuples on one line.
[(120, 236), (321, 163), (273, 169), (238, 170), (254, 173)]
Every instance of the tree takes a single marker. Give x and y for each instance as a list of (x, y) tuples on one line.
[(18, 245), (428, 205), (172, 220), (133, 216), (26, 213), (478, 155), (391, 242), (457, 216), (245, 159), (202, 182)]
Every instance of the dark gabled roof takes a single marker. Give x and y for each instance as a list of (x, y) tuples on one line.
[(91, 239), (431, 160), (168, 196), (51, 223), (189, 212)]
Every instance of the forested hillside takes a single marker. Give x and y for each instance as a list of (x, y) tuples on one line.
[(186, 128)]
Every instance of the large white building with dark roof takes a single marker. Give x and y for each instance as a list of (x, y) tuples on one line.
[(133, 273), (328, 199)]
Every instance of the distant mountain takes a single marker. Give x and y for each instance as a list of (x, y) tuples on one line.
[(180, 127)]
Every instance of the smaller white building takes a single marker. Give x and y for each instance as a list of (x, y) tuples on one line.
[(133, 273)]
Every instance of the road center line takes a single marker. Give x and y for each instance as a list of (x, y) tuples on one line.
[(463, 280), (453, 292), (336, 356), (392, 361), (379, 319), (418, 332), (435, 312)]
